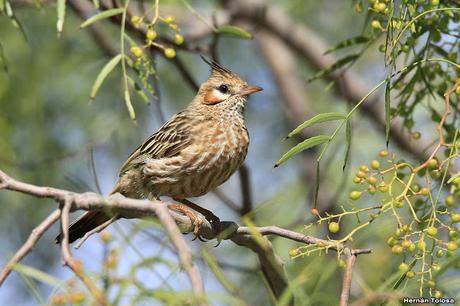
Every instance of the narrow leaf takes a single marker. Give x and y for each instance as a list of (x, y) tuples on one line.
[(3, 62), (14, 20), (102, 15), (348, 139), (318, 173), (338, 64), (234, 31), (349, 42), (387, 111), (454, 177), (103, 74), (96, 4), (129, 105), (316, 119), (214, 266), (38, 275), (306, 144), (60, 15), (139, 90)]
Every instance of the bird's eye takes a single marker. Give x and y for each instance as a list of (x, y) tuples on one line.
[(223, 88)]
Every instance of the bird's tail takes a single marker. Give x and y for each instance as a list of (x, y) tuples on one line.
[(86, 222)]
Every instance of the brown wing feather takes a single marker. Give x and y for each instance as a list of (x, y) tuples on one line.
[(168, 141)]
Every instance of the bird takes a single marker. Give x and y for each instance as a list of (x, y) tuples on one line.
[(195, 151)]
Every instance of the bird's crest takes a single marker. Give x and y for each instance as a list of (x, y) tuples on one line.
[(215, 67)]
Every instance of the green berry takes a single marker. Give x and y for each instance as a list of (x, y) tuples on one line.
[(435, 174), (438, 294), (421, 245), (416, 135), (355, 195), (432, 163), (178, 39), (371, 189), (341, 263), (410, 274), (439, 253), (169, 19), (379, 7), (450, 200), (294, 252), (431, 284), (334, 227), (411, 248), (170, 52)]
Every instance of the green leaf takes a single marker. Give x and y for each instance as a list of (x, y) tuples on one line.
[(234, 31), (306, 144), (387, 111), (139, 90), (348, 139), (3, 62), (103, 74), (14, 20), (454, 177), (129, 105), (96, 4), (338, 64), (318, 174), (324, 117), (102, 15), (60, 15), (349, 42), (38, 275)]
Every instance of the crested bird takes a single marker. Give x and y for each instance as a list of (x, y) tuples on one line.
[(195, 151)]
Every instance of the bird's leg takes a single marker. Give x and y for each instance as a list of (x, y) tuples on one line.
[(212, 218), (196, 221)]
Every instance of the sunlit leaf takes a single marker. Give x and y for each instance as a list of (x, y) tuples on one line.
[(324, 117), (38, 275), (129, 105), (338, 64), (348, 43), (104, 73), (454, 177), (102, 15), (348, 140), (234, 31), (304, 145), (61, 4)]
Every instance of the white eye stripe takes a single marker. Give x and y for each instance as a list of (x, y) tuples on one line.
[(219, 95)]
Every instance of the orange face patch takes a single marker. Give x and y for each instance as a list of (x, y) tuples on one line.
[(212, 97)]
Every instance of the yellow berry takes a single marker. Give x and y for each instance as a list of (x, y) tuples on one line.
[(334, 227), (376, 24), (341, 263), (135, 20), (406, 244), (457, 90), (355, 195), (375, 164), (178, 39), (403, 267), (361, 174), (383, 187), (170, 52), (383, 153), (431, 284), (105, 236), (397, 249), (410, 274), (432, 163), (438, 294), (450, 200), (421, 245), (434, 2), (379, 7), (357, 180), (455, 218), (371, 189), (358, 7), (169, 19), (364, 168), (411, 248), (439, 253), (137, 52), (432, 231), (424, 191), (416, 135), (151, 34), (294, 252)]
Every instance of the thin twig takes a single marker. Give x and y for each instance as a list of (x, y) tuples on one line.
[(34, 236), (346, 283)]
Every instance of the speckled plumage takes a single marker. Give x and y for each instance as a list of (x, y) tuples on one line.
[(195, 151)]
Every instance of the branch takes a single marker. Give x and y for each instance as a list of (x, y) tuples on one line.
[(346, 284), (249, 237)]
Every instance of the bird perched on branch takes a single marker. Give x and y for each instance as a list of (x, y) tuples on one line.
[(195, 151)]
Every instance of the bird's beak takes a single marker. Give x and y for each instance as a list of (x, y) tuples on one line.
[(249, 90)]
